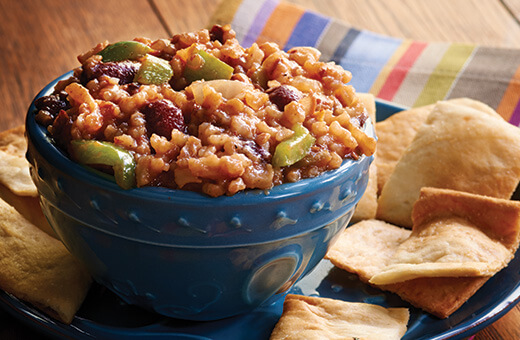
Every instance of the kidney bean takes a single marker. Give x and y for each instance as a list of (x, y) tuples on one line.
[(162, 117), (125, 71), (283, 95), (217, 33), (61, 129), (49, 106)]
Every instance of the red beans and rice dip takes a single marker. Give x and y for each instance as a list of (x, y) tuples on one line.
[(200, 112)]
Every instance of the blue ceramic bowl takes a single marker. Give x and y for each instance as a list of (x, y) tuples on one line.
[(184, 254)]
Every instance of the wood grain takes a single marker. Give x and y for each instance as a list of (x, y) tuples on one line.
[(41, 39), (513, 6), (181, 18)]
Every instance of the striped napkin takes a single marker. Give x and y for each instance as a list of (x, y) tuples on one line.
[(406, 72)]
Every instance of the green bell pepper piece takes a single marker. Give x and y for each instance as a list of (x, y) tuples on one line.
[(212, 68), (260, 78), (124, 50), (92, 152), (294, 148), (154, 70)]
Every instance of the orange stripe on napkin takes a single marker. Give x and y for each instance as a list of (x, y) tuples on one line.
[(511, 97), (382, 78), (281, 24), (398, 74)]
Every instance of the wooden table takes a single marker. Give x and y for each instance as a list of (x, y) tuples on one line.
[(40, 39)]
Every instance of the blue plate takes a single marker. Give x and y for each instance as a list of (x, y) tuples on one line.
[(104, 316)]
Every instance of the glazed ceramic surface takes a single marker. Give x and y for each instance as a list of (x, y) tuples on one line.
[(186, 255)]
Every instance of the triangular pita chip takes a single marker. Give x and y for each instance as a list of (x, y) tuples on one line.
[(19, 192), (397, 132), (13, 141), (306, 317), (14, 168), (394, 135), (457, 148), (366, 248), (455, 234), (37, 268), (458, 241), (448, 247), (439, 296), (29, 207)]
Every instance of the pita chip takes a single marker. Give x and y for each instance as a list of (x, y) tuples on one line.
[(450, 238), (499, 219), (307, 317), (16, 186), (440, 296), (367, 205), (29, 207), (366, 248), (14, 168), (458, 241), (457, 148), (37, 268), (394, 135), (397, 132), (13, 141), (475, 104)]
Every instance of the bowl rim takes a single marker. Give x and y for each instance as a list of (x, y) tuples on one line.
[(43, 142)]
